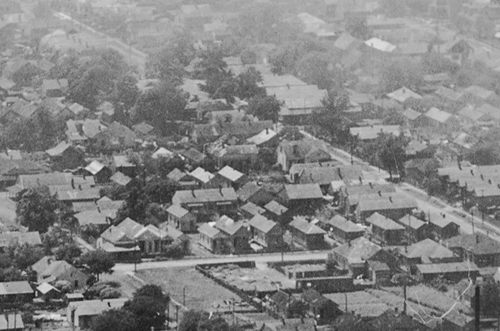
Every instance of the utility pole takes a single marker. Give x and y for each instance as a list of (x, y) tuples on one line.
[(478, 308), (184, 296)]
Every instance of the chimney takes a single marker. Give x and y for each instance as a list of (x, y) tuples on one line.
[(267, 130), (371, 185), (380, 193), (360, 180), (220, 190), (80, 187), (489, 181), (482, 177), (49, 261), (73, 183), (472, 172), (477, 239), (283, 321), (192, 192), (98, 209), (390, 199)]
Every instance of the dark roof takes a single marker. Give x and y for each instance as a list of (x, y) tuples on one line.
[(248, 190), (344, 225), (326, 175), (303, 191), (475, 243), (252, 208), (193, 155), (392, 320), (383, 222), (299, 149), (207, 195)]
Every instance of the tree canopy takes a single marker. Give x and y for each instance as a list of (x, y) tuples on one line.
[(115, 319), (98, 262), (264, 108), (36, 209), (148, 306)]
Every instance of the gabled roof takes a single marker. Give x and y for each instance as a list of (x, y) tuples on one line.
[(299, 149), (411, 114), (210, 231), (248, 190), (373, 131), (143, 128), (11, 322), (231, 174), (303, 191), (402, 94), (427, 250), (252, 208), (326, 175), (359, 250), (54, 84), (262, 224), (58, 268), (26, 111), (387, 203), (411, 222), (92, 217), (91, 193), (475, 243), (75, 108), (45, 288), (380, 45), (414, 147), (95, 167), (59, 149), (479, 92), (228, 225), (120, 179), (383, 222), (177, 211), (55, 178), (276, 208), (12, 288), (304, 226), (448, 93), (162, 152), (344, 225), (262, 137), (176, 175), (122, 161), (438, 115), (346, 42), (202, 175), (204, 196), (444, 268), (193, 155)]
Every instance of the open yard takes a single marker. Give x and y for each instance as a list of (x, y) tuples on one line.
[(201, 292)]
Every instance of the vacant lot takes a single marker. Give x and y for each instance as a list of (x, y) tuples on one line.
[(201, 292)]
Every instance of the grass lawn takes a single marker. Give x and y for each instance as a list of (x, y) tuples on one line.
[(201, 292)]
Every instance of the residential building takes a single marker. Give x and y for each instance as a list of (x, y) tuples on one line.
[(427, 251), (341, 229), (47, 292), (250, 209), (19, 291), (301, 195), (256, 193), (116, 137), (479, 249), (265, 232), (306, 234), (54, 88), (449, 271), (240, 157), (236, 232), (96, 217), (416, 229), (266, 138), (441, 228), (202, 177), (181, 218), (65, 156), (129, 234), (48, 270), (386, 230), (122, 164), (350, 195), (393, 206), (206, 199), (81, 313), (14, 238), (276, 212), (183, 179), (212, 239), (99, 171), (324, 310), (300, 151), (120, 179), (231, 177)]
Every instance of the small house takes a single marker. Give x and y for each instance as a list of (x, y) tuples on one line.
[(81, 313), (181, 218), (99, 171), (266, 232), (276, 212), (427, 251), (386, 230), (449, 271), (342, 230), (254, 192), (54, 88), (306, 234), (249, 210), (298, 195), (199, 201), (237, 234), (231, 177), (480, 249), (123, 165), (212, 239), (19, 291)]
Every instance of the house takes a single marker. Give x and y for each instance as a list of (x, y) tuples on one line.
[(436, 117), (96, 217), (123, 165), (250, 209), (427, 251), (324, 310), (231, 177), (129, 234), (349, 196), (56, 108), (25, 181), (143, 129), (181, 218), (324, 176), (347, 43), (276, 212), (183, 179), (394, 206), (240, 157), (449, 271), (442, 228), (65, 156), (84, 131), (478, 248), (206, 199), (202, 177), (116, 137), (411, 116), (54, 88), (120, 179), (194, 157), (416, 229), (301, 195), (19, 291), (372, 132), (265, 232), (99, 171), (236, 232), (212, 239), (394, 320), (68, 195), (254, 192), (266, 138), (379, 45), (47, 292), (402, 94), (14, 238), (300, 151), (178, 236), (48, 270), (76, 108), (342, 230), (447, 94), (162, 152), (81, 313), (353, 255), (386, 230), (306, 234), (11, 322)]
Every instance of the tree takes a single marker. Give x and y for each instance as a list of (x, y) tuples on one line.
[(314, 68), (24, 256), (358, 27), (115, 319), (164, 65), (490, 299), (125, 93), (394, 8), (68, 252), (247, 84), (36, 209), (264, 108), (400, 72), (182, 47), (148, 305), (98, 262), (248, 57), (191, 319), (435, 63), (390, 153), (485, 28)]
